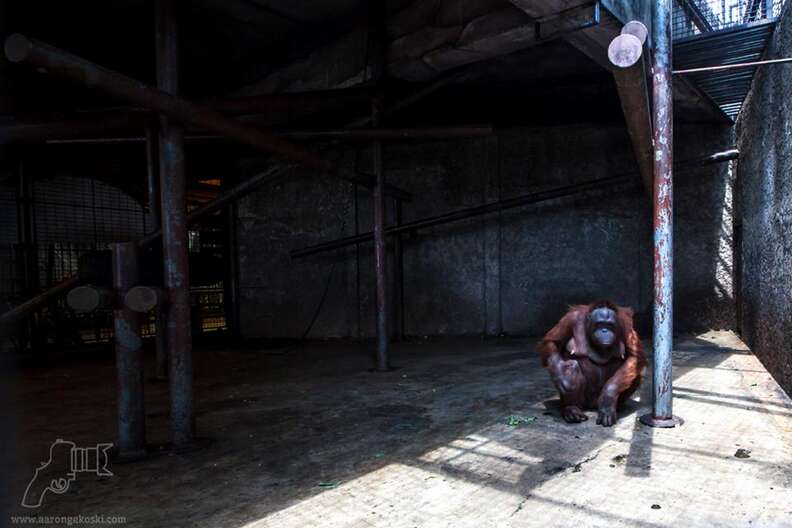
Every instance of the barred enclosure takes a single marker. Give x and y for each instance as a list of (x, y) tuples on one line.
[(48, 224)]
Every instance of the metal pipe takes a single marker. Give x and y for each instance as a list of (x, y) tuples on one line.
[(174, 234), (342, 134), (733, 66), (235, 193), (231, 282), (719, 157), (417, 96), (464, 214), (152, 173), (663, 213), (129, 356), (398, 275), (76, 126), (502, 205), (380, 250), (153, 181), (392, 134), (39, 301), (377, 52), (22, 49), (303, 102)]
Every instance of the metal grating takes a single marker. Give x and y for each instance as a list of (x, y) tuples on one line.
[(743, 43), (71, 216), (694, 17), (74, 216), (8, 238)]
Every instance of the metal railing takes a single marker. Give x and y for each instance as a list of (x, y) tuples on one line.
[(694, 17)]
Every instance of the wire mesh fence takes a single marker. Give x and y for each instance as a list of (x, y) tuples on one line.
[(694, 17), (8, 239), (68, 217)]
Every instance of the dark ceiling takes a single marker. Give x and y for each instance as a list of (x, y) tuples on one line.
[(225, 43)]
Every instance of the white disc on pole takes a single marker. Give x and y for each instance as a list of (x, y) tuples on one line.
[(637, 29), (625, 50)]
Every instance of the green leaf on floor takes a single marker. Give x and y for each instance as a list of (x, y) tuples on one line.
[(329, 485), (515, 420)]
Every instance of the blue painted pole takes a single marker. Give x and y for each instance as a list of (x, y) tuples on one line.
[(663, 214)]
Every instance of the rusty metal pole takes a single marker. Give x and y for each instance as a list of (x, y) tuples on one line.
[(380, 250), (153, 181), (174, 234), (129, 356), (398, 275), (152, 173), (231, 280), (663, 199), (377, 54)]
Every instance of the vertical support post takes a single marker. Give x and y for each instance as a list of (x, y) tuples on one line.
[(663, 200), (377, 54), (380, 248), (152, 174), (231, 282), (129, 355), (27, 249), (174, 234), (153, 187), (398, 275)]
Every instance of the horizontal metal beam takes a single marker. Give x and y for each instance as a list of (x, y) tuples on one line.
[(502, 205), (629, 73), (393, 134), (96, 132), (39, 301), (25, 50), (235, 193), (302, 102), (80, 125), (465, 214), (733, 66)]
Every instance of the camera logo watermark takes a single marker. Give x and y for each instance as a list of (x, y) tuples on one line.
[(65, 461)]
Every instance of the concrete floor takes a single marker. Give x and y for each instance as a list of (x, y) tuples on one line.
[(311, 438)]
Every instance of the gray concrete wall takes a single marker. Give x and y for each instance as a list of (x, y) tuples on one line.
[(765, 204), (511, 273)]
